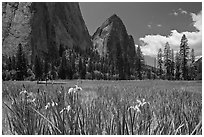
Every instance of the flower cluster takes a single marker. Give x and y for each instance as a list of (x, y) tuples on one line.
[(23, 92), (75, 89), (30, 97), (68, 108), (139, 105), (51, 104), (47, 106), (142, 103), (136, 108)]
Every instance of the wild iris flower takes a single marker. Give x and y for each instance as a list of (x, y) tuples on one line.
[(139, 105), (66, 109), (23, 92), (75, 89), (136, 108), (47, 106)]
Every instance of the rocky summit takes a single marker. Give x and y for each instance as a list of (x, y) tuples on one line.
[(111, 37)]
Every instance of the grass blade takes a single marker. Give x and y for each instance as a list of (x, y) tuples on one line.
[(47, 120)]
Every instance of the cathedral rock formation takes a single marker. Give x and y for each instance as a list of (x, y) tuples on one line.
[(112, 36)]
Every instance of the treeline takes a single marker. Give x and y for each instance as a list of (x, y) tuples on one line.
[(77, 64), (182, 66), (74, 64)]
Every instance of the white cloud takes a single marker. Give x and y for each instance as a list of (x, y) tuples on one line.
[(152, 43), (197, 19), (175, 13), (178, 11), (182, 11)]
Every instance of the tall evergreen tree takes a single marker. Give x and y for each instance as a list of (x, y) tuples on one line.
[(62, 68), (167, 60), (38, 68), (184, 51), (69, 70), (192, 56), (149, 74), (80, 67), (73, 66), (172, 64), (126, 67), (65, 66), (61, 50), (192, 66), (21, 64), (139, 62), (160, 62), (13, 62), (46, 68), (83, 72), (90, 65), (9, 64), (177, 66)]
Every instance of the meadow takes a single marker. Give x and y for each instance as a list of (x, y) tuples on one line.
[(102, 108)]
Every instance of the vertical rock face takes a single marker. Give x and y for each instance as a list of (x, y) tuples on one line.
[(42, 28), (15, 26), (111, 36), (55, 24)]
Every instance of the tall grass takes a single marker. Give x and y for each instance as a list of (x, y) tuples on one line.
[(109, 110)]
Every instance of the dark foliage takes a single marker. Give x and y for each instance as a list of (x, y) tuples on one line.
[(21, 64)]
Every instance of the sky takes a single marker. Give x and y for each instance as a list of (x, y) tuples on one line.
[(151, 24)]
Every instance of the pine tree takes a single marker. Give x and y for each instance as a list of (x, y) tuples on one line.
[(21, 64), (90, 65), (73, 66), (184, 51), (65, 70), (61, 50), (160, 62), (149, 73), (192, 66), (177, 66), (69, 70), (46, 68), (172, 64), (80, 67), (9, 63), (38, 68), (167, 60), (83, 72), (192, 56), (139, 62), (13, 62)]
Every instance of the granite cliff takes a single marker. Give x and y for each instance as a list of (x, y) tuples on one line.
[(15, 27), (112, 36), (112, 40), (55, 24), (42, 27)]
